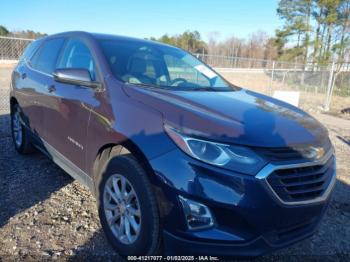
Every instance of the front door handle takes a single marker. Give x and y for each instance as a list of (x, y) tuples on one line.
[(51, 89)]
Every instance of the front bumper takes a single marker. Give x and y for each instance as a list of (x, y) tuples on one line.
[(175, 245), (249, 219)]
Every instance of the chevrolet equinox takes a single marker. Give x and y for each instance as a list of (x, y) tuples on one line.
[(180, 160)]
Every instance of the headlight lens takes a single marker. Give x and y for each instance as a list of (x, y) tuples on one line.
[(236, 158), (208, 152)]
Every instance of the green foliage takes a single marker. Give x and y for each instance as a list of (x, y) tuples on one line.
[(21, 33), (315, 31), (3, 31), (296, 15), (28, 34), (189, 40)]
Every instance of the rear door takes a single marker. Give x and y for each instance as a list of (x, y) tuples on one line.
[(35, 78), (21, 84), (68, 119)]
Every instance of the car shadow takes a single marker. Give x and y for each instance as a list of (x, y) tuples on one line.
[(96, 248), (25, 180)]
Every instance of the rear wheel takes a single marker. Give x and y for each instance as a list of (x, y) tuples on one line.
[(20, 135), (127, 207)]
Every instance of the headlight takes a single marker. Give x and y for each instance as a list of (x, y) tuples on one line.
[(236, 158)]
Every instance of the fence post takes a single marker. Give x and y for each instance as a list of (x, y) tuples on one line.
[(284, 77), (329, 88), (272, 76)]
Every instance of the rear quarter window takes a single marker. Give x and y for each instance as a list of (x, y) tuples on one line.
[(45, 58), (30, 50)]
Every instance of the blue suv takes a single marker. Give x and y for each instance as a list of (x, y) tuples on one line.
[(179, 160)]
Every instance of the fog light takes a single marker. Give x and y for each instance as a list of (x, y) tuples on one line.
[(198, 216)]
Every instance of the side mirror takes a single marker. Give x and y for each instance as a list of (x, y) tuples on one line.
[(75, 76)]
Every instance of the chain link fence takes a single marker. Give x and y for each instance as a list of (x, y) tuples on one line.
[(319, 87), (5, 76), (11, 48)]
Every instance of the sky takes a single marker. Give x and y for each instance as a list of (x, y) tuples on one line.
[(142, 18)]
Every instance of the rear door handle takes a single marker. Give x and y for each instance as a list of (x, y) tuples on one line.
[(51, 89)]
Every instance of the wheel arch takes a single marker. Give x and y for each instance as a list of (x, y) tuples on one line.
[(13, 101), (122, 148)]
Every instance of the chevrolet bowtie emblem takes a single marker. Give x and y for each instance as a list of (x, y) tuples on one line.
[(313, 152)]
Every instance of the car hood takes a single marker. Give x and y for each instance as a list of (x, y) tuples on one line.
[(240, 117)]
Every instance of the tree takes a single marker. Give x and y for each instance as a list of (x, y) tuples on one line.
[(189, 40), (342, 47), (296, 15), (331, 38), (27, 34), (258, 45), (3, 31), (270, 49), (329, 21)]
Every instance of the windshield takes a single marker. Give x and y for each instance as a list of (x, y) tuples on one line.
[(150, 64)]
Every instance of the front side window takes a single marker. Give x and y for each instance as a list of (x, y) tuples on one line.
[(45, 58), (179, 69), (77, 55), (150, 64)]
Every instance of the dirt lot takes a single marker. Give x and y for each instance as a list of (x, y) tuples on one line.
[(44, 214)]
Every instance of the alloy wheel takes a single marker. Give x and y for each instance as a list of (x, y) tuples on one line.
[(17, 127), (122, 209)]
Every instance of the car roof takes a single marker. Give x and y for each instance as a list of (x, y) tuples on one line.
[(100, 36)]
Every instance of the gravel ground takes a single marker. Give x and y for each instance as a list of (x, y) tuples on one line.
[(45, 214)]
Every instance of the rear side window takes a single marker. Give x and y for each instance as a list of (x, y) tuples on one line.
[(29, 51), (45, 58), (77, 55)]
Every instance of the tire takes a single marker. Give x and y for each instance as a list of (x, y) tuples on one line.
[(145, 240), (20, 135)]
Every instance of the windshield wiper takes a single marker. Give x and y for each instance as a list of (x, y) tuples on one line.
[(179, 88), (142, 84), (203, 89)]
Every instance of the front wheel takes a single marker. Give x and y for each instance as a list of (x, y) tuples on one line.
[(127, 208)]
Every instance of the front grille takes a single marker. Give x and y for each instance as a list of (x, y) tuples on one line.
[(302, 183), (277, 154), (280, 154)]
